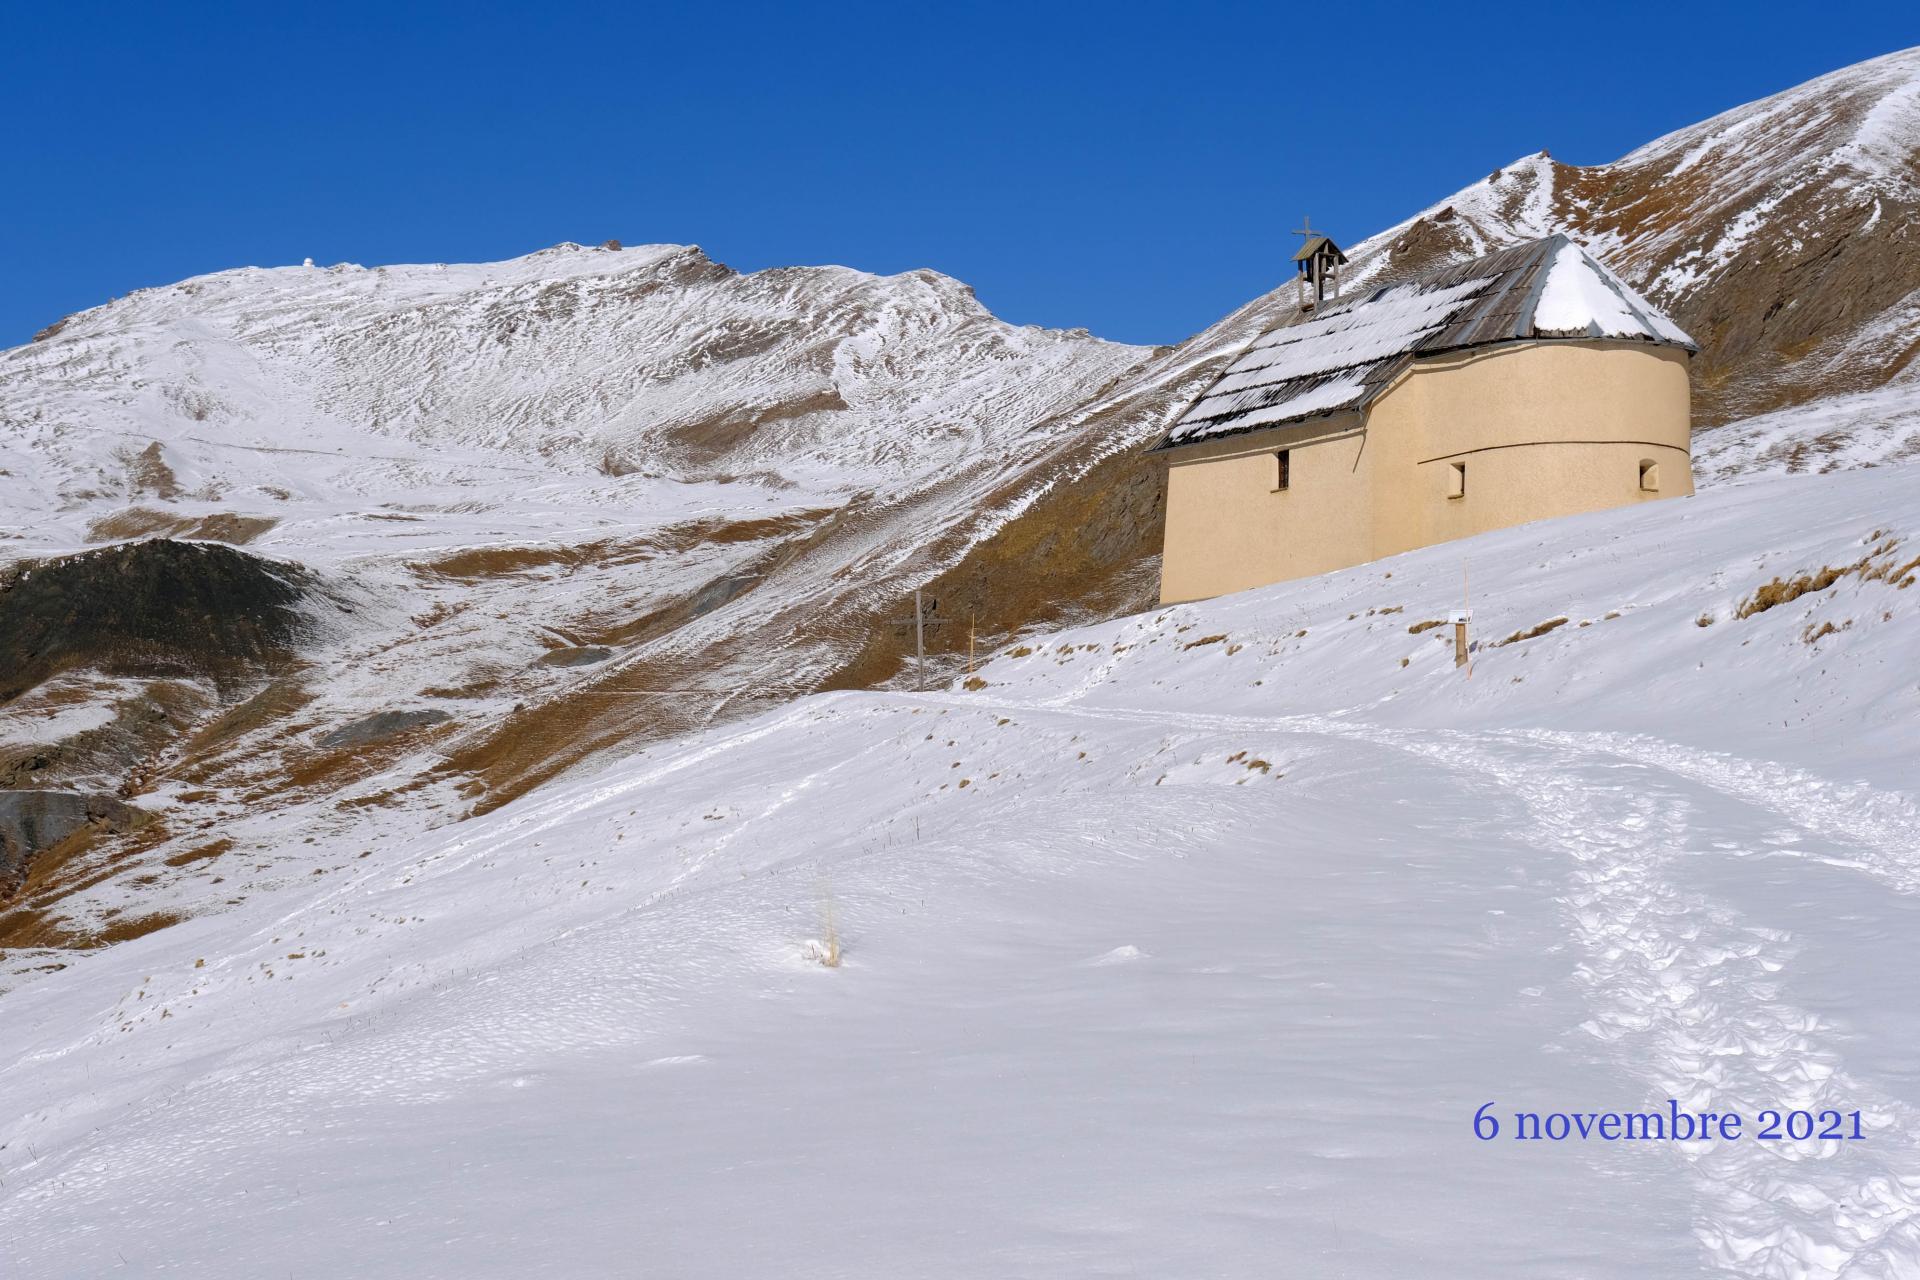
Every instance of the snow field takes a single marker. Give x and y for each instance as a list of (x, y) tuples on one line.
[(1204, 969)]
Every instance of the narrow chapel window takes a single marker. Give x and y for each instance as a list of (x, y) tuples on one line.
[(1283, 469)]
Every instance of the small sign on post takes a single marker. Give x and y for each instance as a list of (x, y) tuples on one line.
[(1460, 618)]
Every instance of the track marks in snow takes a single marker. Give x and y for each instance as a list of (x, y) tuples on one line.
[(1684, 994), (1883, 827)]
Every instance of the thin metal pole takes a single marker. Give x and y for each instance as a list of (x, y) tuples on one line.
[(919, 640)]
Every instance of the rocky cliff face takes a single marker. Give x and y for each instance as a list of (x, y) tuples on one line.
[(583, 499)]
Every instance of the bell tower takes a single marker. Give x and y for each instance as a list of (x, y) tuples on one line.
[(1318, 264)]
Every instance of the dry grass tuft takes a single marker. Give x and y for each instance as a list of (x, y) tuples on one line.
[(1195, 644), (1879, 565), (1428, 625), (827, 950), (1812, 635), (1781, 591), (1549, 625)]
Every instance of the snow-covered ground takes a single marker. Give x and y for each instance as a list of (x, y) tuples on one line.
[(1837, 433), (1185, 944)]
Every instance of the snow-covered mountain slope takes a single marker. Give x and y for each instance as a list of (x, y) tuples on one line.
[(568, 501), (653, 360), (593, 497), (1863, 429), (1184, 944), (1779, 234)]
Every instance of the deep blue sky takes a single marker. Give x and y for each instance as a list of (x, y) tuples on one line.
[(1130, 168)]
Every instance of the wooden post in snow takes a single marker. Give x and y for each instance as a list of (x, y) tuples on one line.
[(1462, 652)]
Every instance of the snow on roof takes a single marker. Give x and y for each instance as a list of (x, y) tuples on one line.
[(1341, 357), (1321, 365), (1582, 299)]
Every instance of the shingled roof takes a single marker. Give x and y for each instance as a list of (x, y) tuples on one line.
[(1341, 357)]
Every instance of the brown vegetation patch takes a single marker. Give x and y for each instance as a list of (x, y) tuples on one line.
[(125, 928), (575, 656), (136, 522), (1549, 625), (1881, 564), (1781, 591), (1428, 625), (227, 527), (641, 702), (140, 522), (479, 563), (357, 751), (148, 472), (84, 859), (390, 798), (709, 441), (272, 704), (201, 853), (477, 687), (1087, 548)]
